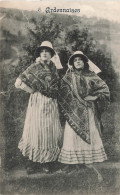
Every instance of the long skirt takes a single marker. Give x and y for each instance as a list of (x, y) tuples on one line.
[(42, 133), (77, 151)]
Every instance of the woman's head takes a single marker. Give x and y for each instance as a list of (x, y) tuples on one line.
[(45, 54), (45, 51), (79, 61)]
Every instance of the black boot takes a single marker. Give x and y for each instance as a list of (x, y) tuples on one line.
[(30, 167), (46, 168)]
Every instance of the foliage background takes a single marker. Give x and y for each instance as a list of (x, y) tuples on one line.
[(21, 32)]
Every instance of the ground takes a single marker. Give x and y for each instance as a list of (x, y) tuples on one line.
[(78, 182)]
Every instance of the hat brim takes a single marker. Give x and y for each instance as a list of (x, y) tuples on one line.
[(83, 57), (44, 47)]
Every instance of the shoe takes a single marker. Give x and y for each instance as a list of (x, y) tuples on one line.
[(29, 170), (46, 169), (66, 169), (100, 178)]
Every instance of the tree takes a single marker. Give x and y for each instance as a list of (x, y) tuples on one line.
[(45, 29)]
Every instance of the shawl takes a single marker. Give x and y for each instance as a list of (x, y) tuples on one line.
[(74, 88), (42, 77)]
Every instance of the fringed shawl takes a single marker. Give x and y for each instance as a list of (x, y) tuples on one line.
[(74, 88), (42, 77)]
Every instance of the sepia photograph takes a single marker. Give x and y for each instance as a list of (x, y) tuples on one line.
[(60, 97)]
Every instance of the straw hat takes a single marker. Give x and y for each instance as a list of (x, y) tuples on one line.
[(48, 45), (77, 54), (92, 66)]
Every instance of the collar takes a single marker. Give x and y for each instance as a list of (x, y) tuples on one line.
[(44, 62)]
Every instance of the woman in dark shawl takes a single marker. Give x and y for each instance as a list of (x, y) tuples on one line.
[(83, 96), (41, 137)]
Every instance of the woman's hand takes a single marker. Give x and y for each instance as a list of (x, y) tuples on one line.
[(18, 83), (90, 98), (21, 85), (37, 59)]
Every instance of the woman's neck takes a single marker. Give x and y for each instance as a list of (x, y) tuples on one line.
[(45, 61), (78, 71)]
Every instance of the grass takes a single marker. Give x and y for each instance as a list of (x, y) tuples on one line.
[(111, 131), (82, 182)]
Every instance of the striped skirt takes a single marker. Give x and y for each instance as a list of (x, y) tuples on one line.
[(42, 133), (77, 151)]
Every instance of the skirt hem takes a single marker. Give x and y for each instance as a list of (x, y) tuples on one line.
[(82, 157), (40, 155)]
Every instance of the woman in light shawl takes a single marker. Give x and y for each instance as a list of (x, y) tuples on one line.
[(83, 96), (41, 137)]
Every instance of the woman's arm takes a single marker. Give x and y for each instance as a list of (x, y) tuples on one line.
[(21, 85), (100, 90)]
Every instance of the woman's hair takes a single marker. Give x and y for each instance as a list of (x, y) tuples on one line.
[(38, 52), (86, 66), (47, 50)]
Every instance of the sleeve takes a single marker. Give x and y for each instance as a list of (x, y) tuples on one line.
[(100, 89), (26, 77), (23, 82)]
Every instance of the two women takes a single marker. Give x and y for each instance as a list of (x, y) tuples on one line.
[(83, 96), (42, 132)]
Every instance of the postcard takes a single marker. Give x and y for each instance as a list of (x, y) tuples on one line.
[(60, 97)]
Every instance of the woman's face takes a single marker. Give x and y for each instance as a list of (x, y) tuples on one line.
[(78, 63), (45, 55)]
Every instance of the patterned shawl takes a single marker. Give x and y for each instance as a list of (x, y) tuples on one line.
[(74, 88), (42, 77)]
